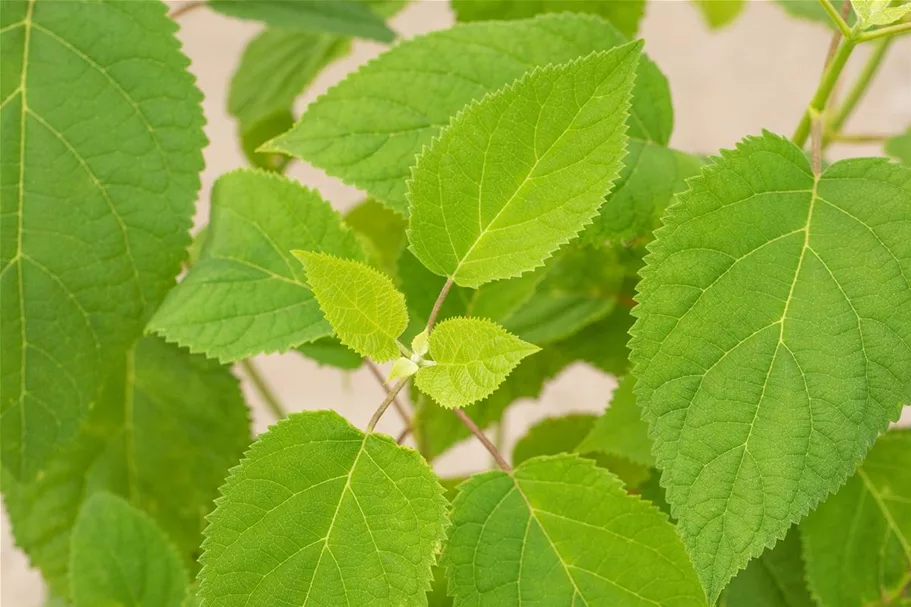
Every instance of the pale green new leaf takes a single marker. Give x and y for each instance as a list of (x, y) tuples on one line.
[(472, 357), (899, 147), (774, 579), (445, 71), (624, 15), (878, 12), (521, 172), (247, 294), (621, 431), (858, 543), (773, 341), (718, 13), (561, 531), (345, 17), (120, 557), (361, 304), (321, 514), (167, 446), (101, 146)]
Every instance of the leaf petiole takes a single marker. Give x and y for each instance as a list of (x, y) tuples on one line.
[(836, 17), (824, 90)]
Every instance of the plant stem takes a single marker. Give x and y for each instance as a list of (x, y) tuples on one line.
[(816, 143), (826, 84), (858, 90), (263, 388), (892, 30), (395, 401), (483, 438), (390, 397), (837, 18), (858, 138), (438, 304), (186, 8)]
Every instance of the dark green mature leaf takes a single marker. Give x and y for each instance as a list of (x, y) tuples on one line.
[(560, 527), (247, 294), (332, 16), (101, 145), (858, 543), (620, 431), (384, 231), (447, 70), (899, 147), (718, 13), (120, 557), (166, 447), (623, 14), (765, 365), (320, 513), (775, 579)]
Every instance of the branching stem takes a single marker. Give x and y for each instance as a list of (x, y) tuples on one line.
[(438, 304), (403, 412), (885, 32), (263, 389), (826, 84), (390, 397), (857, 91), (479, 434), (837, 18)]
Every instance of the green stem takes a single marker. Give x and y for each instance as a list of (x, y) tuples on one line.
[(479, 434), (836, 18), (885, 32), (858, 89), (386, 402), (824, 90), (263, 388)]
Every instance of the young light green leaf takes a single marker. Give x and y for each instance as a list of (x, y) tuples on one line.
[(621, 431), (770, 271), (899, 147), (361, 304), (562, 528), (345, 17), (472, 357), (858, 543), (521, 172), (167, 446), (330, 351), (447, 70), (558, 435), (348, 518), (878, 12), (420, 345), (625, 16), (775, 579), (719, 13), (119, 556), (248, 294), (98, 194), (402, 368)]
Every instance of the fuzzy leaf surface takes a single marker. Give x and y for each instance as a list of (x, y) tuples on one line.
[(878, 12), (101, 145), (361, 304), (248, 294), (773, 341), (445, 71), (777, 578), (858, 543), (166, 447), (521, 172), (621, 431), (560, 531), (473, 357), (345, 17), (625, 16), (120, 557), (348, 518)]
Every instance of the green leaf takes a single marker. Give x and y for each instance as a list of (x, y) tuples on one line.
[(472, 357), (718, 13), (101, 147), (247, 293), (252, 136), (347, 518), (385, 232), (899, 147), (602, 344), (624, 15), (120, 557), (554, 141), (361, 304), (166, 447), (764, 366), (330, 351), (620, 431), (878, 12), (331, 16), (774, 579), (858, 543), (558, 435), (560, 527), (447, 70)]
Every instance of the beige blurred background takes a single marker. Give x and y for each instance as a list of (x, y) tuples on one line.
[(757, 73)]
